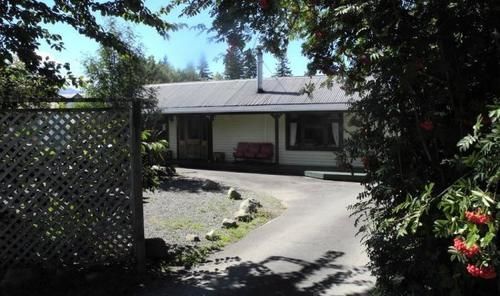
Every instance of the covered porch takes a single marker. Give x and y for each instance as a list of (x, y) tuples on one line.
[(309, 139)]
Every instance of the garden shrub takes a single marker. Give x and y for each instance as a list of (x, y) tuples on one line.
[(468, 216)]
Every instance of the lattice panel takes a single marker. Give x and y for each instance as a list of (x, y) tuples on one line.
[(64, 187)]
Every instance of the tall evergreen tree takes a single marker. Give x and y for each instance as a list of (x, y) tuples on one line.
[(249, 64), (233, 63), (203, 70), (282, 67)]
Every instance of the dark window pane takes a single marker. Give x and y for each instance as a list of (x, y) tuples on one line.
[(314, 131)]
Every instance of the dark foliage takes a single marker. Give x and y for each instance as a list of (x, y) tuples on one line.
[(283, 66), (424, 70), (22, 29)]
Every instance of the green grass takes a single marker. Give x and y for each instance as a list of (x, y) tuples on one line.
[(231, 235), (180, 223), (199, 254)]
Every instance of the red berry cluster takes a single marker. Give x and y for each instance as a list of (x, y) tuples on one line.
[(264, 4), (477, 218), (482, 272), (460, 245)]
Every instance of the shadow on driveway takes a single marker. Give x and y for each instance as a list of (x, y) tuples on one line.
[(192, 185), (323, 276)]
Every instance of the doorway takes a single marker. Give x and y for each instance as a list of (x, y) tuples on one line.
[(193, 137)]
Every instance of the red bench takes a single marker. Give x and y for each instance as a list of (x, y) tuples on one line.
[(258, 151)]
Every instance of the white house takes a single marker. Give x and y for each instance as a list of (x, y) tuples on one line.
[(210, 118)]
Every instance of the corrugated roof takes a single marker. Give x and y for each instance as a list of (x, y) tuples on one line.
[(240, 96)]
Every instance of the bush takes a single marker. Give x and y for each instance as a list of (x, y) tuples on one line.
[(463, 219)]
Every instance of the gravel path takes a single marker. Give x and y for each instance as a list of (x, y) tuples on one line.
[(181, 207)]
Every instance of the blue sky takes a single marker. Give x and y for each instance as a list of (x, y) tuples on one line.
[(183, 47)]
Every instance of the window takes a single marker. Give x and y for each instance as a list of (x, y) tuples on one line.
[(314, 131)]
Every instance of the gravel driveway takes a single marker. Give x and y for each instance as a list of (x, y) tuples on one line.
[(311, 249), (181, 207)]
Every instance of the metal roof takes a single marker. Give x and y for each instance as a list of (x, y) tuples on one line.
[(240, 96)]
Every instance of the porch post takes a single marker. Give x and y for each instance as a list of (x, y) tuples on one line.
[(276, 117), (210, 143)]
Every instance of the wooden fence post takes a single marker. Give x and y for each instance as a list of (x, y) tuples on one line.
[(136, 184)]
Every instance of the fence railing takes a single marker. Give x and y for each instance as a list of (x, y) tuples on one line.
[(70, 185)]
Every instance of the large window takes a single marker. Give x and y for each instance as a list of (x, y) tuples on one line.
[(314, 131)]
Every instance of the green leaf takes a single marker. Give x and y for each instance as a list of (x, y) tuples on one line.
[(484, 197)]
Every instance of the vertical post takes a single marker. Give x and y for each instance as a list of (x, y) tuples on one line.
[(136, 185), (276, 117), (210, 135), (260, 63)]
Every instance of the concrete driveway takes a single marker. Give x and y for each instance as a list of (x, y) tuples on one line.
[(309, 250)]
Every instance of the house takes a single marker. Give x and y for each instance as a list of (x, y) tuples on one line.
[(211, 118), (70, 93)]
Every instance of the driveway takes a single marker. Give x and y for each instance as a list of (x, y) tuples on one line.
[(309, 250)]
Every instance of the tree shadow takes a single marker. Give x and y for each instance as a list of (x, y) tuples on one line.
[(258, 278), (192, 185)]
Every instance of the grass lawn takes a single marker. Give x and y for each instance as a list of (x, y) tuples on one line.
[(181, 208)]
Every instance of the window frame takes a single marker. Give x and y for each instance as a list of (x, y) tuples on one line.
[(299, 148)]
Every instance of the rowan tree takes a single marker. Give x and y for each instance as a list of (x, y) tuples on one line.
[(424, 71)]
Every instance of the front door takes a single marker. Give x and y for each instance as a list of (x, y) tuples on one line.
[(193, 137)]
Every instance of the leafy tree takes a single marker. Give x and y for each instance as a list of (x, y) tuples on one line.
[(17, 82), (218, 76), (157, 72), (189, 73), (233, 63), (283, 68), (118, 75), (121, 76), (203, 70), (23, 28), (424, 70), (249, 64)]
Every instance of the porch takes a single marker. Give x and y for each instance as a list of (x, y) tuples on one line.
[(297, 139)]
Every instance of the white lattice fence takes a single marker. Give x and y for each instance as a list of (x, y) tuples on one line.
[(65, 187)]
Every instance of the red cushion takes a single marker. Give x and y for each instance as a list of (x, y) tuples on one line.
[(252, 150), (242, 147), (266, 148)]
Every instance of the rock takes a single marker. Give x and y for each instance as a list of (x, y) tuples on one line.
[(229, 223), (211, 235), (192, 238), (163, 172), (156, 248), (241, 215), (209, 185), (250, 205), (233, 194)]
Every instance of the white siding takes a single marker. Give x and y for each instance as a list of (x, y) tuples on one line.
[(296, 157), (172, 136), (228, 130)]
